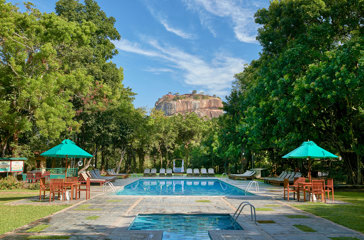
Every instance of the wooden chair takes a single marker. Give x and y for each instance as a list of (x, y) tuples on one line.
[(287, 188), (43, 186), (73, 184), (86, 189), (329, 187), (56, 186), (317, 188), (295, 185)]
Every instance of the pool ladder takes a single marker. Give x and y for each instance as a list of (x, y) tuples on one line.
[(110, 185), (251, 184), (253, 215)]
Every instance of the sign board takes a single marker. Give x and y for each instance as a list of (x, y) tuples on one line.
[(17, 166), (4, 166)]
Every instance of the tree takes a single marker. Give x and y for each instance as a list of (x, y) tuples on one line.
[(304, 85), (37, 82)]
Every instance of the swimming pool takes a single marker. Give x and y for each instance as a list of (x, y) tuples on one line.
[(183, 226), (197, 187)]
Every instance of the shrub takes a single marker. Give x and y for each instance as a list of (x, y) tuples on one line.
[(10, 182)]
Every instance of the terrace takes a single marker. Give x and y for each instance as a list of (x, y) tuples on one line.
[(109, 216)]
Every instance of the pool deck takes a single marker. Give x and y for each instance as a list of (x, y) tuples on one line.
[(113, 214)]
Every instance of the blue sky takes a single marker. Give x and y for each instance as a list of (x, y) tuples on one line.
[(180, 45)]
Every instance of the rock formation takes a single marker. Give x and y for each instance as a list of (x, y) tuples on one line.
[(203, 105)]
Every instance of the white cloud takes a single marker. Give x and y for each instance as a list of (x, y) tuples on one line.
[(176, 31), (163, 21), (242, 17), (158, 70), (128, 46), (214, 77)]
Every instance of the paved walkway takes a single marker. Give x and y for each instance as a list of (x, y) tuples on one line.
[(108, 216)]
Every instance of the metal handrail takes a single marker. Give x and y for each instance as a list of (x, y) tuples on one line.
[(250, 185), (238, 211)]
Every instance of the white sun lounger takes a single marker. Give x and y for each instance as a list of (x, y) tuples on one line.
[(248, 174), (189, 171), (169, 172), (273, 178), (153, 172), (146, 172), (211, 172), (162, 172), (196, 172), (203, 172)]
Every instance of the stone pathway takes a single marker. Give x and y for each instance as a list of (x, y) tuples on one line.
[(108, 216)]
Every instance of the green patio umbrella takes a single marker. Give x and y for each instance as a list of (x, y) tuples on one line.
[(309, 150), (65, 150)]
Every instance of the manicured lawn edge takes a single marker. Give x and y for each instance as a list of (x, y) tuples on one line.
[(34, 223), (315, 216)]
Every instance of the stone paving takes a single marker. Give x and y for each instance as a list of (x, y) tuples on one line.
[(108, 216)]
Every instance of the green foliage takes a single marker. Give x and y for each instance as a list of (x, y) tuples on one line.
[(307, 84), (266, 221), (264, 209), (38, 228), (10, 182), (304, 228)]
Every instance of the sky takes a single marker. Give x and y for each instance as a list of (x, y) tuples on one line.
[(179, 46)]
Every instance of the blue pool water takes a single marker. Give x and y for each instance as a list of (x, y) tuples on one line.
[(200, 187), (182, 226)]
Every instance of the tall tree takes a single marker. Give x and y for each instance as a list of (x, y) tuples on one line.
[(37, 83)]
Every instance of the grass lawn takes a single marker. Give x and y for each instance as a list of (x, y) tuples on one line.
[(12, 217), (349, 215)]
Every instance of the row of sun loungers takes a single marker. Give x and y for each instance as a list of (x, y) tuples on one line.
[(249, 174), (204, 172), (291, 176), (111, 172), (95, 177), (163, 172)]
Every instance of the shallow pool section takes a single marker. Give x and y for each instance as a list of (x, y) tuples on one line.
[(183, 226), (189, 187)]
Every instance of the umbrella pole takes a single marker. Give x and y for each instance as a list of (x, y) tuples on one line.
[(65, 177), (309, 169)]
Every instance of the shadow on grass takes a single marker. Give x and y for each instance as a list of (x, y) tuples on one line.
[(8, 199)]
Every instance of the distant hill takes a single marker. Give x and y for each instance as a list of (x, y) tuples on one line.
[(204, 106)]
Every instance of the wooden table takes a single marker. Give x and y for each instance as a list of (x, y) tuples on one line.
[(73, 186), (304, 186)]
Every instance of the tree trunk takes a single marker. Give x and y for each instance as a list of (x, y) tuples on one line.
[(141, 160), (160, 155), (359, 176), (88, 163), (16, 140), (86, 166), (102, 158), (350, 163), (167, 159), (96, 156), (120, 161)]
